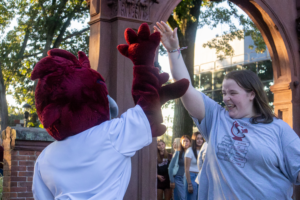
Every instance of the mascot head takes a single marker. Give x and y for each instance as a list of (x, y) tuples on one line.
[(70, 96)]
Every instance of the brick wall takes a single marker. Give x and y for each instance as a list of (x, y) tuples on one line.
[(19, 157), (22, 166)]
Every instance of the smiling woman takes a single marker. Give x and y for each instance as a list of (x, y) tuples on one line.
[(244, 96), (238, 137), (239, 103)]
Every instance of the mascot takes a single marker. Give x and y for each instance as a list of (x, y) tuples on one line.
[(91, 158)]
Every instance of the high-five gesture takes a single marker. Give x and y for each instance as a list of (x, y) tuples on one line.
[(169, 37), (147, 87), (192, 99)]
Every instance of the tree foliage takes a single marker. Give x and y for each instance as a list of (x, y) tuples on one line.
[(213, 14), (40, 26)]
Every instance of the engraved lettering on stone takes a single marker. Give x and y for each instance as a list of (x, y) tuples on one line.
[(136, 9)]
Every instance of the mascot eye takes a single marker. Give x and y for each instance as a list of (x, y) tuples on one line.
[(100, 81)]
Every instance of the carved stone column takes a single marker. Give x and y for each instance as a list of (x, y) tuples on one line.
[(22, 146), (8, 138), (109, 19), (283, 106)]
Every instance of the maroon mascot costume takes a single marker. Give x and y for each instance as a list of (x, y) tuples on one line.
[(91, 158)]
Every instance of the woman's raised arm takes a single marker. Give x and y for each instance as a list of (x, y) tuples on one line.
[(192, 99)]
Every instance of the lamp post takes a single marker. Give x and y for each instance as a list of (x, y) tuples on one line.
[(26, 113)]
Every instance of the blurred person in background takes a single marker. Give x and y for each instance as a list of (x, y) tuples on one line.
[(176, 145), (191, 168), (163, 181), (176, 169)]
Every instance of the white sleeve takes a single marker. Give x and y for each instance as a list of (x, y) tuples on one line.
[(39, 189), (131, 132), (189, 153)]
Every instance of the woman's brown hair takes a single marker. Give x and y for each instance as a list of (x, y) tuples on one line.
[(181, 147), (249, 81), (194, 143), (166, 154)]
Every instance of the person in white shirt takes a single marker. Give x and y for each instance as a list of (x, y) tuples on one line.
[(91, 159), (190, 166)]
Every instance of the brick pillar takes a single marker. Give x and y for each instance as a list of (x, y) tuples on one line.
[(21, 146), (8, 138)]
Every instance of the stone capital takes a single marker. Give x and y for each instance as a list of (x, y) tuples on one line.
[(133, 9)]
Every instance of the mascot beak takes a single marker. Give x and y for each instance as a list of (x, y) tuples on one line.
[(113, 108)]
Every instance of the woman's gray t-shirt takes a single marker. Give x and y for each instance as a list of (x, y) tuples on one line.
[(244, 160)]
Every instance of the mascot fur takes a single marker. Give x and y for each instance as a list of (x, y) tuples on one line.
[(91, 158)]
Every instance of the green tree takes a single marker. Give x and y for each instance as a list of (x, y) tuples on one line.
[(214, 14), (41, 26), (188, 18), (6, 15)]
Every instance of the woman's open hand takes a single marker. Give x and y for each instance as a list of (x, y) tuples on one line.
[(169, 37)]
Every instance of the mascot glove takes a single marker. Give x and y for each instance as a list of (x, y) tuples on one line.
[(140, 47)]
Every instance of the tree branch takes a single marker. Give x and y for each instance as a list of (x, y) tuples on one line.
[(59, 39), (27, 34), (24, 44), (35, 54), (61, 7), (76, 33), (43, 8)]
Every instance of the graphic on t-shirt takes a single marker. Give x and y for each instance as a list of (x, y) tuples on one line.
[(238, 131), (164, 162), (235, 150)]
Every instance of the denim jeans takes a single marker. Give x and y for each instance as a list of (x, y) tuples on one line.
[(179, 193), (194, 195)]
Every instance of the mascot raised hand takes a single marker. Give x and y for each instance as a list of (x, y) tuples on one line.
[(91, 158)]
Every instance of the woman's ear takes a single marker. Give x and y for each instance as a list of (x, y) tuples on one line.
[(252, 95)]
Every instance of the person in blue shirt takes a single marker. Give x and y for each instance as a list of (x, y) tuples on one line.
[(176, 169), (250, 154), (190, 166)]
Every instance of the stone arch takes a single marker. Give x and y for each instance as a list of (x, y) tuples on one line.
[(276, 21), (109, 18), (272, 28)]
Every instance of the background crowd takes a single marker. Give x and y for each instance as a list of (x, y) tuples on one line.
[(177, 174)]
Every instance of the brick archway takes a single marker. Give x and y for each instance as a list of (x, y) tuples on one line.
[(276, 19)]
